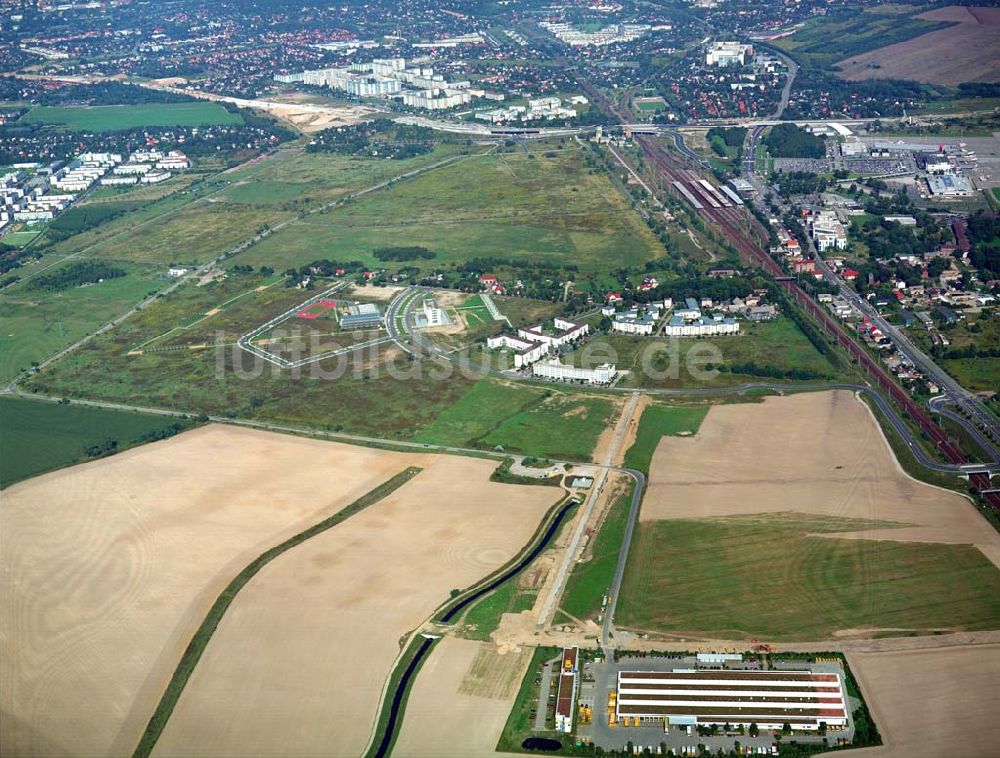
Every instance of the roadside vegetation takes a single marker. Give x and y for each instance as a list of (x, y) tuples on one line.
[(589, 582)]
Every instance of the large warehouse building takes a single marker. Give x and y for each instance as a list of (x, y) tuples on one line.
[(770, 699)]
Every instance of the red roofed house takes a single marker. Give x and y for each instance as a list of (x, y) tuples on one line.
[(850, 274), (613, 297)]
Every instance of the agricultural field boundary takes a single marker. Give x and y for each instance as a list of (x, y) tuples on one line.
[(400, 680), (203, 635)]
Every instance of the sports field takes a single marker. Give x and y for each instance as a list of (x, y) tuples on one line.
[(36, 437), (511, 205), (931, 703), (460, 701), (18, 239), (103, 585), (739, 507), (111, 118), (308, 682)]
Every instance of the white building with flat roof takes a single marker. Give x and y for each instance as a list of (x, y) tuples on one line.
[(729, 54), (700, 327), (568, 331), (526, 351), (804, 699), (603, 374)]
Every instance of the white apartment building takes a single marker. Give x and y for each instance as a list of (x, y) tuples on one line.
[(569, 331), (126, 169), (632, 322), (118, 180), (827, 232), (701, 327), (526, 351), (603, 374)]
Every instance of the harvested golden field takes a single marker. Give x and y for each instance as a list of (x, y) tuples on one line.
[(452, 711), (815, 453), (932, 703), (108, 567), (965, 52), (298, 663)]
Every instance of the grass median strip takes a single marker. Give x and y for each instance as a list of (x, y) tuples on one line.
[(203, 635)]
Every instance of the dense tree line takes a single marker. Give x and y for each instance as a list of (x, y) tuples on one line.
[(78, 273), (791, 141), (984, 239), (887, 239), (79, 218), (382, 137), (412, 253), (800, 183), (109, 93)]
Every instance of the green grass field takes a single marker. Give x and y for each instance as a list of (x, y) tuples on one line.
[(521, 419), (191, 234), (474, 312), (560, 426), (976, 374), (659, 421), (665, 363), (768, 577), (110, 118), (19, 239), (590, 580), (510, 205), (484, 617), (37, 436), (37, 323), (478, 412)]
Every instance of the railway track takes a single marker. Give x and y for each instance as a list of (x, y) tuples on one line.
[(730, 221)]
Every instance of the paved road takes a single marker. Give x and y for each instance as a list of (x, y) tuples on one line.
[(573, 549), (786, 91)]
